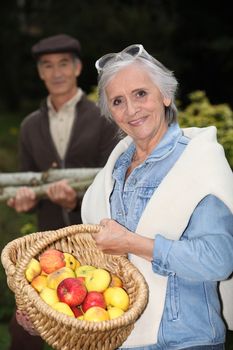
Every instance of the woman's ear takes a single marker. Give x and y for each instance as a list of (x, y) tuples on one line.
[(166, 101)]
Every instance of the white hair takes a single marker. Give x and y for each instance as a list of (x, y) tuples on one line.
[(162, 77)]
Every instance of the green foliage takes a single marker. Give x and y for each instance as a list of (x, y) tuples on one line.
[(93, 95), (201, 113), (8, 141)]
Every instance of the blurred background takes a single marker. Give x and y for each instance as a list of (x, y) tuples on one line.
[(192, 38)]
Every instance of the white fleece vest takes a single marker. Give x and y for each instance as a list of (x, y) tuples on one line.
[(202, 169)]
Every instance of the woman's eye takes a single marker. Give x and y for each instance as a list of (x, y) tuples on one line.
[(141, 93), (116, 102)]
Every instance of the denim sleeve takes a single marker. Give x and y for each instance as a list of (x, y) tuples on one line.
[(205, 250)]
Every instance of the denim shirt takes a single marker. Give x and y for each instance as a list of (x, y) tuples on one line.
[(191, 314)]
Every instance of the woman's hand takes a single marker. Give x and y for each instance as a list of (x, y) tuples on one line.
[(24, 321), (115, 239), (112, 238)]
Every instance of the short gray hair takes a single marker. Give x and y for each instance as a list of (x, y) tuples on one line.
[(162, 77)]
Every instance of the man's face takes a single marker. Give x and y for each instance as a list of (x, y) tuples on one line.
[(59, 72)]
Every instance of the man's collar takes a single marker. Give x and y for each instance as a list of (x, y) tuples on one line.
[(72, 102)]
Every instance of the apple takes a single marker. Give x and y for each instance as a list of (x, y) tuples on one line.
[(93, 299), (56, 277), (83, 270), (63, 307), (49, 296), (77, 311), (116, 296), (96, 314), (71, 291), (115, 281), (32, 270), (39, 283), (81, 279), (71, 261), (115, 312), (97, 280), (52, 260)]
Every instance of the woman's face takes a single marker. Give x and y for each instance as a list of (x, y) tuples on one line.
[(137, 105)]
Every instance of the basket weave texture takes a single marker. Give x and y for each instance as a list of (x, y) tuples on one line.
[(59, 330)]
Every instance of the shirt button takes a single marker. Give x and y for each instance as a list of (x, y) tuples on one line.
[(119, 212)]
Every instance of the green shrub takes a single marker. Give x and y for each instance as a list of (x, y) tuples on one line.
[(200, 113)]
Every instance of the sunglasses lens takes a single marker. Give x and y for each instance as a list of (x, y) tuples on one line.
[(133, 50), (104, 60)]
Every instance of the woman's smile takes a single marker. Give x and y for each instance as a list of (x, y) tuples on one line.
[(137, 122)]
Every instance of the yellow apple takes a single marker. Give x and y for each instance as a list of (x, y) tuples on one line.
[(32, 270), (115, 312), (39, 283), (71, 261), (116, 296), (115, 281), (63, 307), (43, 273), (49, 296), (96, 314), (83, 270), (97, 280), (56, 277)]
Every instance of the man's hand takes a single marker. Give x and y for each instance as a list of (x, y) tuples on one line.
[(63, 194), (24, 200)]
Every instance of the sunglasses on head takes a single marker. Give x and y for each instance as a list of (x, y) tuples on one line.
[(132, 50)]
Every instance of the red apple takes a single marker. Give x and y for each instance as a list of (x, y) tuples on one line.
[(81, 279), (77, 311), (93, 299), (71, 291), (52, 260)]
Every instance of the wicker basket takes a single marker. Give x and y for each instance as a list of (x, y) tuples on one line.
[(58, 330)]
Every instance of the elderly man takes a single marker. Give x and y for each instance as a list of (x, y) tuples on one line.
[(67, 131)]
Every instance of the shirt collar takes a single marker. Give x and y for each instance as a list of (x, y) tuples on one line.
[(69, 104), (162, 150), (167, 143)]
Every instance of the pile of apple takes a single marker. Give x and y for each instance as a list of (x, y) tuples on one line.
[(83, 291)]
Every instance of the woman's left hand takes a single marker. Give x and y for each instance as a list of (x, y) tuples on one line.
[(112, 238)]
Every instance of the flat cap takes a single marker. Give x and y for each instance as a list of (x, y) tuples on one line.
[(56, 44)]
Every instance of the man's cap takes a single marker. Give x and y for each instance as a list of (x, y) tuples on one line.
[(56, 44)]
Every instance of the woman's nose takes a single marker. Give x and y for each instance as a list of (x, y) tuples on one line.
[(131, 107)]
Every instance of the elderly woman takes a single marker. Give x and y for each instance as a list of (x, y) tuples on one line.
[(165, 198)]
